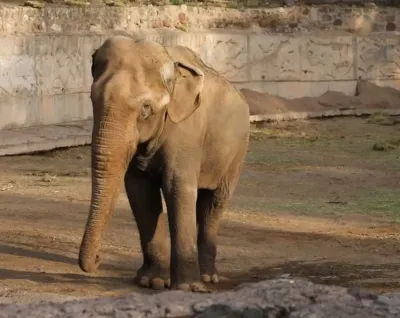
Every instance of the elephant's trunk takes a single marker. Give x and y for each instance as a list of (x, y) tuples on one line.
[(113, 146)]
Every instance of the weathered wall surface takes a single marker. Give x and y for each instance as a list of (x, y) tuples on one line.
[(291, 52)]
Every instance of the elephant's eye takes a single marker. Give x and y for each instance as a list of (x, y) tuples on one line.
[(145, 111)]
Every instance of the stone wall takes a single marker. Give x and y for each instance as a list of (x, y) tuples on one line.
[(287, 20), (290, 52)]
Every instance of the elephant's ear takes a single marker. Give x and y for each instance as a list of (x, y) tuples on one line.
[(93, 69), (185, 88), (99, 63)]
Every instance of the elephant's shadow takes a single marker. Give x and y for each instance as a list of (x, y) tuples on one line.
[(42, 276), (56, 261)]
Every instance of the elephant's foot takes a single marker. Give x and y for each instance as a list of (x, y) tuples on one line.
[(210, 278), (209, 273), (152, 277), (196, 287)]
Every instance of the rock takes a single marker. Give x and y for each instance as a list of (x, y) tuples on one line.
[(274, 298)]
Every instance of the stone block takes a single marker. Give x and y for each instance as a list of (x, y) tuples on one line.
[(64, 108), (378, 57), (298, 89), (194, 41), (17, 76), (346, 87), (16, 20), (18, 112), (301, 89), (11, 45), (60, 64), (75, 19), (262, 87), (227, 54), (274, 58), (387, 83), (327, 58), (17, 64), (153, 36)]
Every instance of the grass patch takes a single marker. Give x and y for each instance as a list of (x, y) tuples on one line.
[(34, 4), (386, 145), (113, 3), (77, 3), (178, 2), (380, 203), (322, 168), (275, 146), (383, 119)]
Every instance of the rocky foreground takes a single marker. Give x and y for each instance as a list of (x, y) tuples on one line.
[(283, 298)]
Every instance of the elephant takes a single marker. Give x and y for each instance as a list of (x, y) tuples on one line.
[(164, 125)]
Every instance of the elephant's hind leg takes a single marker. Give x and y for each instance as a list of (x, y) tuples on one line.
[(145, 200), (210, 207)]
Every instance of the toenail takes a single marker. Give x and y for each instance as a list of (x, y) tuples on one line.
[(144, 281), (206, 278), (157, 283), (215, 279)]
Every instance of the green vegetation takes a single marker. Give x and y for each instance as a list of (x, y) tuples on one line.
[(383, 119), (177, 2), (322, 168)]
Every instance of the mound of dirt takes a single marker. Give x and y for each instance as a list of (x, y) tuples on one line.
[(373, 96), (367, 96), (264, 103), (274, 298)]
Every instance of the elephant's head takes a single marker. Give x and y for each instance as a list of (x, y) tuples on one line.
[(136, 85)]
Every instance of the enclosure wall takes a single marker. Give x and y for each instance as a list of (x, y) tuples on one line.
[(45, 53)]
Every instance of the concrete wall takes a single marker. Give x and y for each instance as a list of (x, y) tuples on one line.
[(45, 53)]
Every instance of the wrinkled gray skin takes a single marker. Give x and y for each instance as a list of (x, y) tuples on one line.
[(163, 121)]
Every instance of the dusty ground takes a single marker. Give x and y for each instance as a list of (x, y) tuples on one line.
[(315, 200)]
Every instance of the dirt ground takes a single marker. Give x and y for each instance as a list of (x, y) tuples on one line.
[(316, 200)]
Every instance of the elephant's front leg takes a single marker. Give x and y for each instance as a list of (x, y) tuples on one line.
[(180, 195), (144, 197)]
